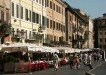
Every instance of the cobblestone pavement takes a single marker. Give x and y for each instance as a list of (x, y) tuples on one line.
[(64, 70), (100, 70)]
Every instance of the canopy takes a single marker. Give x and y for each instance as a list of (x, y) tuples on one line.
[(27, 47)]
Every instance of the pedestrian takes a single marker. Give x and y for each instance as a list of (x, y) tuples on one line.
[(55, 61), (76, 61), (89, 59), (85, 55), (71, 61)]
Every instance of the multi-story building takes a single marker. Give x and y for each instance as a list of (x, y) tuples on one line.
[(26, 18), (55, 29), (100, 32), (5, 27), (83, 29), (38, 21), (76, 26)]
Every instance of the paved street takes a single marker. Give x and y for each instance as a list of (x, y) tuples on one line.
[(64, 70), (101, 70)]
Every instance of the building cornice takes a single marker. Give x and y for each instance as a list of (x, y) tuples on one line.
[(61, 2)]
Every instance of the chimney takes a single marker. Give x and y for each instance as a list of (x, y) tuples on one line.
[(104, 15)]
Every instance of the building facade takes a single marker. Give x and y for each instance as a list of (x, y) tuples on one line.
[(36, 21), (55, 29), (76, 28), (91, 34), (26, 19), (5, 26), (100, 32)]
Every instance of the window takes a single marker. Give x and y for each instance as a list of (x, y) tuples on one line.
[(26, 14), (2, 17), (59, 10), (56, 25), (56, 8), (105, 39), (33, 17), (7, 17), (100, 33), (21, 12), (26, 34), (12, 9), (30, 35), (37, 18), (105, 33), (43, 22), (53, 24), (100, 40), (30, 15), (39, 1), (50, 23), (59, 26), (47, 23), (43, 2), (51, 4), (17, 11), (47, 4)]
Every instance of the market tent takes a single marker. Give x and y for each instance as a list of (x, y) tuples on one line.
[(65, 49), (46, 49), (85, 50), (14, 47)]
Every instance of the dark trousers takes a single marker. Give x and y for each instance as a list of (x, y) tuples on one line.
[(71, 64), (90, 66)]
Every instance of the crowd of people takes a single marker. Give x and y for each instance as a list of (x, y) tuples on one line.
[(76, 59), (87, 58)]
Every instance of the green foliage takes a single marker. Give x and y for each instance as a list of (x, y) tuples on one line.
[(5, 29)]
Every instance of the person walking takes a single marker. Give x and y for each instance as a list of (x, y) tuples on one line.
[(89, 59), (71, 61), (76, 61), (55, 61), (85, 56)]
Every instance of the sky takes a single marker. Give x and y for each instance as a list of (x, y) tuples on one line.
[(93, 8)]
